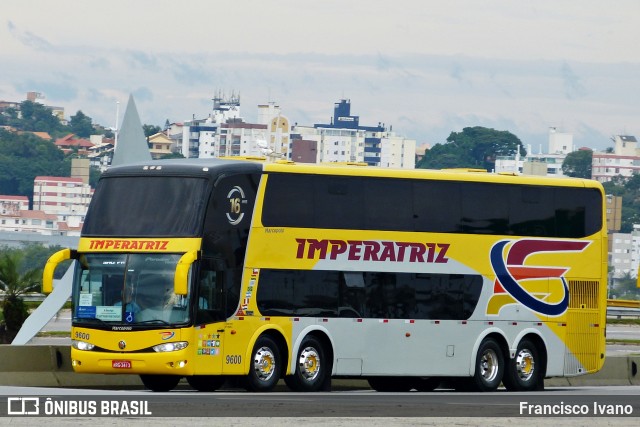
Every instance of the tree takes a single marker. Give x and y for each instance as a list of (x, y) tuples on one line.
[(578, 164), (81, 125), (23, 157), (474, 147), (15, 284), (151, 130), (37, 118), (625, 288)]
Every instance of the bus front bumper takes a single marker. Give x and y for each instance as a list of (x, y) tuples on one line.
[(167, 363)]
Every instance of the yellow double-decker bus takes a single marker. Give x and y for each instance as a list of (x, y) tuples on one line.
[(210, 269)]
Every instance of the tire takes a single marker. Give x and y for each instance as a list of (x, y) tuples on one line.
[(490, 366), (160, 383), (525, 371), (391, 384), (265, 366), (311, 367), (206, 382)]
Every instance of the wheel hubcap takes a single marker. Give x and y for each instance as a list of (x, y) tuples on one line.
[(525, 365), (264, 364), (309, 363), (489, 365)]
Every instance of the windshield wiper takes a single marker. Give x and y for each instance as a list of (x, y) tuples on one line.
[(154, 321), (92, 320)]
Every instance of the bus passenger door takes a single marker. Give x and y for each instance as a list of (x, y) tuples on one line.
[(210, 319)]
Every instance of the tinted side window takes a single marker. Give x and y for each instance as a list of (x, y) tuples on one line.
[(368, 203), (437, 206), (485, 208), (289, 201), (367, 295), (298, 293), (388, 204), (338, 202)]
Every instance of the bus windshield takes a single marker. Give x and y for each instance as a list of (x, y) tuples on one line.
[(128, 288)]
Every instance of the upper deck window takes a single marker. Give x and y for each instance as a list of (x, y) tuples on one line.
[(439, 206), (147, 206)]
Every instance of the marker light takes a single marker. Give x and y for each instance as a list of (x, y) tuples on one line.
[(170, 346), (82, 345)]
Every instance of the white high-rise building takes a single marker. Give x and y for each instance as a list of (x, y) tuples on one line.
[(68, 198)]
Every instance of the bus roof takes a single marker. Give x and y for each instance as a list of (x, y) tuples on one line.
[(214, 166), (478, 175)]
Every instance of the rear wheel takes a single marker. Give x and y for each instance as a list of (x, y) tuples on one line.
[(524, 372), (206, 382), (311, 367), (489, 366), (160, 383), (264, 371)]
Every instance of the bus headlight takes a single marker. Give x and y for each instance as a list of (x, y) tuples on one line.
[(81, 345), (170, 346)]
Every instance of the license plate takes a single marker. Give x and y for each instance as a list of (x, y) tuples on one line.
[(121, 364)]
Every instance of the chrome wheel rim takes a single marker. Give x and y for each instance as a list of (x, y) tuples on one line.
[(264, 364), (309, 363), (489, 365), (525, 364)]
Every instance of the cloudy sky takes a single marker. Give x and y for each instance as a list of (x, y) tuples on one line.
[(425, 67)]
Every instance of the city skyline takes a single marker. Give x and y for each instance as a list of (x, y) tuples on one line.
[(425, 68)]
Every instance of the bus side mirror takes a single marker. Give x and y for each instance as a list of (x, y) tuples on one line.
[(50, 268), (181, 280)]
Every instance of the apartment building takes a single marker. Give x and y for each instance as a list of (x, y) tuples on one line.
[(544, 164), (623, 162), (345, 140), (68, 198)]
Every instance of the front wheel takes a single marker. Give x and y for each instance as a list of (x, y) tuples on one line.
[(160, 383), (311, 367), (489, 366), (264, 371), (524, 372)]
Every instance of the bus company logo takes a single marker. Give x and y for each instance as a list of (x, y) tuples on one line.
[(167, 335), (530, 285), (373, 250), (126, 244), (236, 199)]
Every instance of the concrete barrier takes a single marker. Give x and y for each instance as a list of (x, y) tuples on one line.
[(50, 366)]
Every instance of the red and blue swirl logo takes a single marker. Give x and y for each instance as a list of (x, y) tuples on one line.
[(509, 263)]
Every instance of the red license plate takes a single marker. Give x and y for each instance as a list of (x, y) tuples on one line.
[(121, 364)]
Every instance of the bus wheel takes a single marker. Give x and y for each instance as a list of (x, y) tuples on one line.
[(391, 383), (489, 366), (524, 371), (264, 371), (206, 382), (160, 382), (311, 367)]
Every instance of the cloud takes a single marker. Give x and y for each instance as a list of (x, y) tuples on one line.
[(573, 87), (29, 39), (55, 90)]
